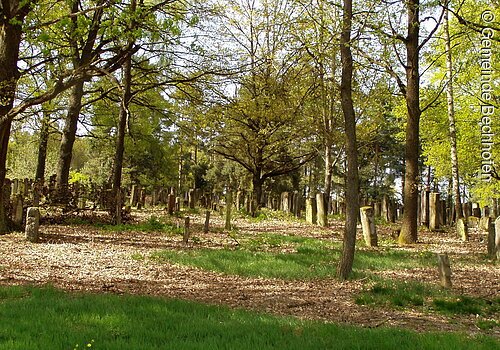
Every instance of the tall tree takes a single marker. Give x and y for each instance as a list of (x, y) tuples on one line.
[(82, 51), (12, 16), (451, 119), (122, 120), (409, 228), (352, 178)]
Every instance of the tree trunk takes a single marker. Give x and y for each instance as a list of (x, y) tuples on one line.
[(42, 145), (257, 183), (352, 179), (69, 136), (410, 192), (122, 125), (12, 15), (451, 120)]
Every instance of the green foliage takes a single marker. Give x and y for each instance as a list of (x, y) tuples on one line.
[(107, 321)]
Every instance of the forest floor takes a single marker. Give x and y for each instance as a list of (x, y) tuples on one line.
[(86, 258)]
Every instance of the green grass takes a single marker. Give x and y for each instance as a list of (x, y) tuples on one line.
[(45, 318), (261, 257), (397, 294), (153, 224), (402, 295), (289, 257)]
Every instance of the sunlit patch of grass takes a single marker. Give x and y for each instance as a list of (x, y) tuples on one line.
[(396, 294), (46, 318), (153, 224)]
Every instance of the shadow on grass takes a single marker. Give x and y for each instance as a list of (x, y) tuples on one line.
[(45, 318)]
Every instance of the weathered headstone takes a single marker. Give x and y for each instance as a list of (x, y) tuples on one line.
[(285, 202), (434, 204), (444, 270), (462, 229), (484, 223), (320, 210), (32, 229), (311, 213), (18, 209), (368, 224), (185, 236)]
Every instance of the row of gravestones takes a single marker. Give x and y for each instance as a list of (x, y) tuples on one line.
[(434, 212)]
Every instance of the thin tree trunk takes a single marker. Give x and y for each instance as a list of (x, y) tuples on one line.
[(451, 120), (352, 179), (410, 192), (69, 136), (42, 145), (120, 137), (257, 183)]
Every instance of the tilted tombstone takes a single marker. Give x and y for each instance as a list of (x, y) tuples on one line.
[(33, 224), (367, 215)]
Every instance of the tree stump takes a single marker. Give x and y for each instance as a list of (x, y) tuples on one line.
[(368, 224), (33, 224), (444, 270)]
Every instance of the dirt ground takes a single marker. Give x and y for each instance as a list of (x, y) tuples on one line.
[(84, 258)]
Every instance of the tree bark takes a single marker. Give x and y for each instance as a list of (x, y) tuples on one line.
[(82, 54), (410, 192), (12, 14), (451, 119), (352, 178), (122, 125), (42, 145), (257, 183), (69, 136)]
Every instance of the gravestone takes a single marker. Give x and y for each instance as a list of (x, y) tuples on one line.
[(434, 204), (33, 224), (311, 213), (368, 224), (462, 229), (320, 210), (444, 270)]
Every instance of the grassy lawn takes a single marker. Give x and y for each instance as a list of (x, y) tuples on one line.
[(45, 318), (290, 257)]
